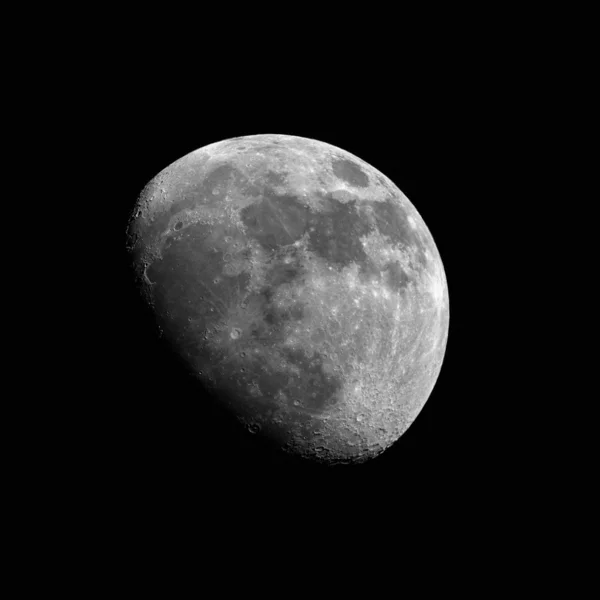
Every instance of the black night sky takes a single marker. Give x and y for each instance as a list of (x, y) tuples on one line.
[(127, 451)]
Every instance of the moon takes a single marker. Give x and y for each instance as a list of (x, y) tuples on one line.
[(300, 286)]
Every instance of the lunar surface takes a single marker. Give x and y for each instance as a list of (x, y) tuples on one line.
[(300, 286)]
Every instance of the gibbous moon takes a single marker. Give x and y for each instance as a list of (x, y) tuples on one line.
[(300, 286)]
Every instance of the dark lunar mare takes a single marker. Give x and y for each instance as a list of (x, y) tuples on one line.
[(334, 234), (349, 171), (391, 220), (192, 296), (275, 221), (188, 285)]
